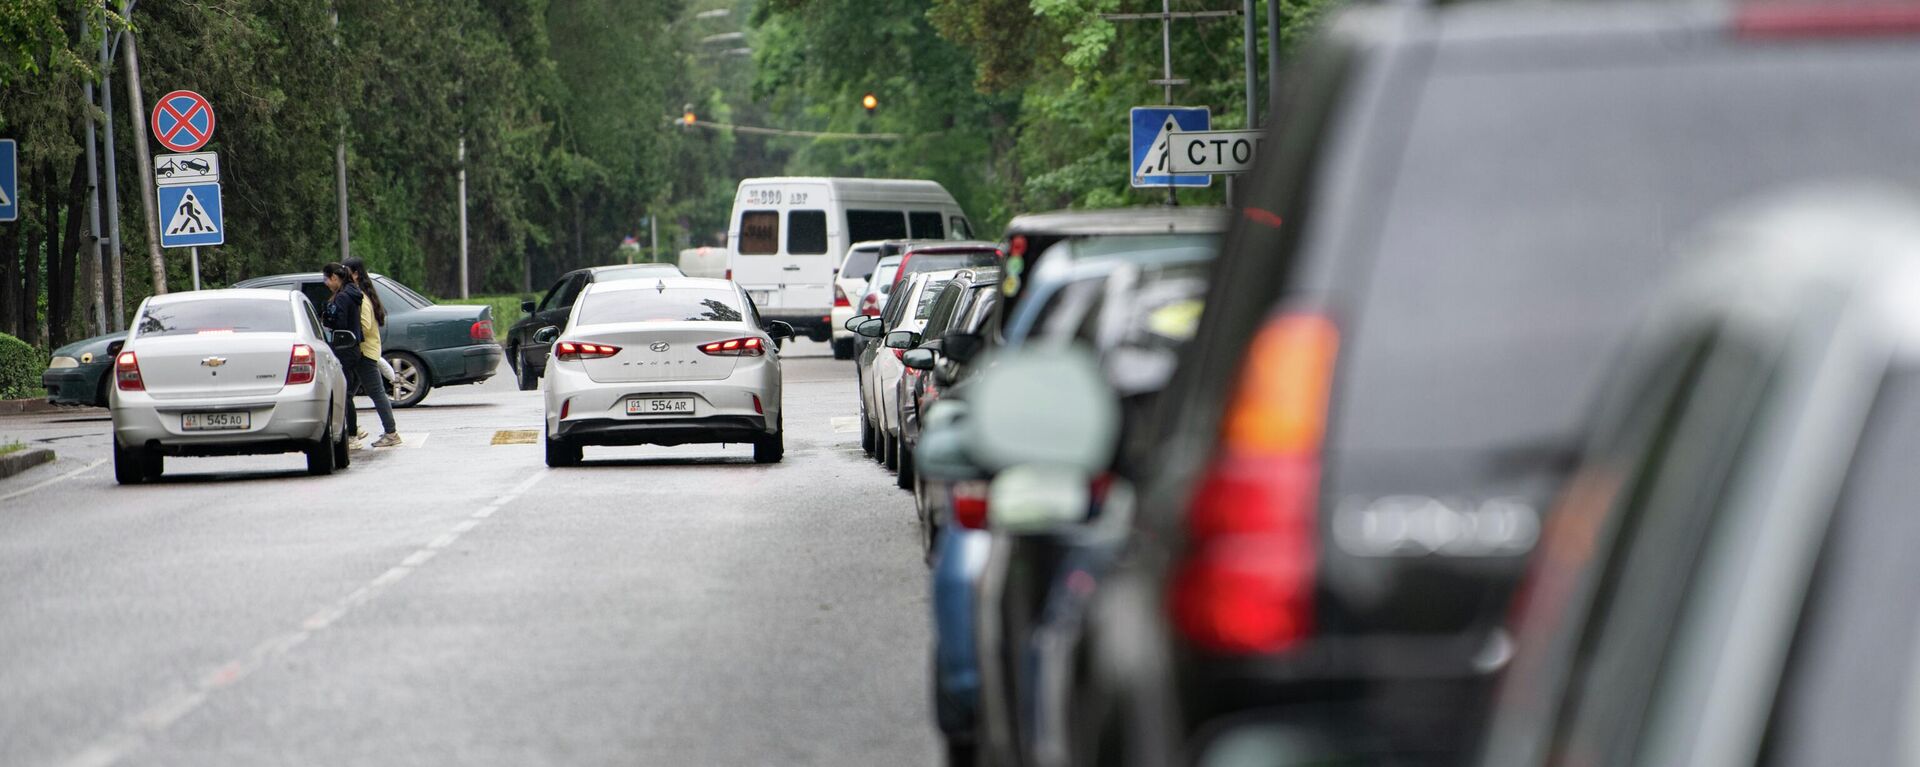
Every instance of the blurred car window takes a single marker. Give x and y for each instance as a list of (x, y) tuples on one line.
[(670, 305), (216, 315)]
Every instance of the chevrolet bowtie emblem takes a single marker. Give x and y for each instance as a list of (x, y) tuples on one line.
[(214, 362)]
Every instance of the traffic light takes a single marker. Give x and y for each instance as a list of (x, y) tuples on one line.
[(870, 103), (687, 118)]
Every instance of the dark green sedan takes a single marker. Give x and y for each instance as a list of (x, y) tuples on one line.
[(77, 374), (429, 345)]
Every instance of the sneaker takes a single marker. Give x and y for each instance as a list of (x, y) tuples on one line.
[(360, 435), (355, 443), (388, 439)]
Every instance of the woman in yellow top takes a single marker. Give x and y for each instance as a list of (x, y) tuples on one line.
[(372, 384)]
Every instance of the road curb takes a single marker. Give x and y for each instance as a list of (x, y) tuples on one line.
[(29, 405), (22, 460)]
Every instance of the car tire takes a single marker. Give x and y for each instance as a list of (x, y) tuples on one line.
[(561, 453), (961, 754), (527, 379), (320, 456), (771, 448), (129, 465), (866, 433), (410, 380), (342, 455), (903, 464), (843, 349), (152, 465), (891, 446)]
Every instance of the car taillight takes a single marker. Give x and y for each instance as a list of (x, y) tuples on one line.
[(126, 372), (1246, 585), (300, 365), (870, 306), (1804, 19), (970, 504), (735, 347), (901, 273), (840, 297), (568, 351), (481, 331), (729, 274)]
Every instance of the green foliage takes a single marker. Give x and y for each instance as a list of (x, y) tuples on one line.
[(20, 367)]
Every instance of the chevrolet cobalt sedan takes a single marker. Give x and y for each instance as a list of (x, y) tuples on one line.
[(668, 361), (226, 372)]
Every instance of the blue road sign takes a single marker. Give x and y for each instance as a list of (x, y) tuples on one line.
[(9, 180), (1150, 150), (191, 214)]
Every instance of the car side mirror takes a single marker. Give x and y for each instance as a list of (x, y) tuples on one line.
[(962, 347), (528, 307), (546, 335), (779, 330), (113, 349), (903, 339), (942, 453), (919, 359), (1047, 407), (871, 327), (853, 322), (341, 339)]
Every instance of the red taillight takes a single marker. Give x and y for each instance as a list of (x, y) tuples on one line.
[(901, 273), (970, 504), (729, 274), (1801, 19), (735, 347), (1246, 585), (757, 407), (481, 331), (565, 406), (300, 365), (840, 297), (579, 350), (870, 305), (126, 373)]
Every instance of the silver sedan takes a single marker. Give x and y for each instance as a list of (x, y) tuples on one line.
[(226, 372), (663, 362)]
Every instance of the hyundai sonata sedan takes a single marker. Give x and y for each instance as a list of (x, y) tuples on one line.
[(226, 372), (669, 361)]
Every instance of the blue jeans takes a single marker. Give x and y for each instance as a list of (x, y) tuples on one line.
[(363, 377)]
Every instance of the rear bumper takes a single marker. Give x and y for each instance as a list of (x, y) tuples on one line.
[(463, 364), (73, 386), (739, 408), (663, 431), (840, 316), (290, 421)]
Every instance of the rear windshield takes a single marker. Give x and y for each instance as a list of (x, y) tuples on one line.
[(636, 271), (1534, 210), (217, 315), (860, 263), (940, 262), (390, 290), (671, 305), (883, 276)]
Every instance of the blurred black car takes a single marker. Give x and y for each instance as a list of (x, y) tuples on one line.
[(1727, 577), (528, 357), (1457, 219)]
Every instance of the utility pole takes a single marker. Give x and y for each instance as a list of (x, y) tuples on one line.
[(148, 210), (340, 165), (463, 216), (114, 268), (94, 285), (1167, 16), (653, 226), (1273, 46)]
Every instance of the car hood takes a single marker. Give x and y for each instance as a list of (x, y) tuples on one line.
[(96, 345)]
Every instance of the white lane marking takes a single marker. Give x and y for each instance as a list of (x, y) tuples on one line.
[(150, 722), (44, 483), (846, 424), (417, 441)]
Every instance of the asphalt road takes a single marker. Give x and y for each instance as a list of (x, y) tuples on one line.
[(453, 601)]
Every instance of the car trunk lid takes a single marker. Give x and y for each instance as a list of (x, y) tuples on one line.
[(660, 351), (214, 365)]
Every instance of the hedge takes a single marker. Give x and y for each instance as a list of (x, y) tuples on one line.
[(20, 367)]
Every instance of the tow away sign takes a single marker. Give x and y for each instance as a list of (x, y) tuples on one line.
[(1226, 151), (194, 168)]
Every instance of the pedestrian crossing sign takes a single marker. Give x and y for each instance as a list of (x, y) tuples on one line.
[(1151, 137), (9, 180), (190, 216)]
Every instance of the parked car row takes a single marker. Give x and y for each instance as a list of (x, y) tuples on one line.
[(1530, 410)]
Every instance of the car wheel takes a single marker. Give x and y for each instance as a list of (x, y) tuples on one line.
[(526, 377), (100, 397), (152, 465), (129, 468), (903, 462), (320, 457), (342, 456), (891, 446), (561, 453), (866, 433), (843, 349), (960, 754), (773, 447), (410, 384)]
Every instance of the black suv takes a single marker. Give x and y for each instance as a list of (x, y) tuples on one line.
[(528, 357)]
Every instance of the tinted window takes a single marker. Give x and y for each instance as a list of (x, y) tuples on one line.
[(929, 295), (395, 295), (952, 301), (637, 271), (216, 315), (1500, 287), (671, 305), (316, 292), (939, 262), (859, 264), (961, 230), (927, 226), (863, 225), (759, 232), (806, 232)]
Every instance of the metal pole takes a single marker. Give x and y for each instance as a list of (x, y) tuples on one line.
[(1253, 77), (94, 285), (340, 167), (196, 267), (653, 224), (1273, 47), (114, 270), (463, 216), (148, 210), (1166, 73)]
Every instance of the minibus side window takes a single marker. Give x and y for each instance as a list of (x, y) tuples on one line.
[(759, 232), (806, 232), (926, 226)]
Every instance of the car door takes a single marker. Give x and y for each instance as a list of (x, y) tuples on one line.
[(553, 311)]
